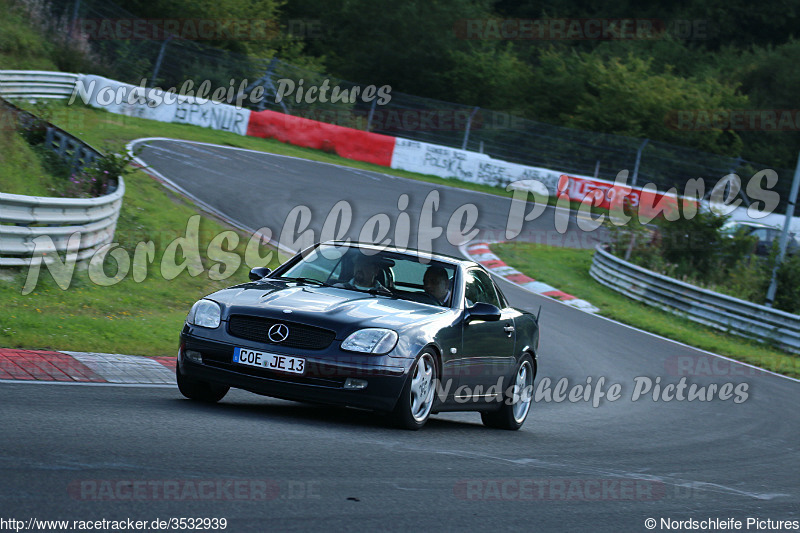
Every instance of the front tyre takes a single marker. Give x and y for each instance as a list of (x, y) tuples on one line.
[(517, 403), (199, 390), (415, 403)]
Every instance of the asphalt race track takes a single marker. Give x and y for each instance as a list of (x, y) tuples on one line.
[(104, 452)]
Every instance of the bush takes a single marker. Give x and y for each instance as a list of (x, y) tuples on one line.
[(699, 250), (97, 179), (696, 251), (787, 297)]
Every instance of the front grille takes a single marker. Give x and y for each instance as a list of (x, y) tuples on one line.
[(255, 328)]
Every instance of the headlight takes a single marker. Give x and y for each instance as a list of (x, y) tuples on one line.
[(371, 340), (204, 313)]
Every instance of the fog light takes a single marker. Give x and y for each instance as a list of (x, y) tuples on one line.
[(193, 356), (355, 384)]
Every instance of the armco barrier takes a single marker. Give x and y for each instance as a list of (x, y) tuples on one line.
[(346, 142), (23, 219), (36, 84), (706, 307)]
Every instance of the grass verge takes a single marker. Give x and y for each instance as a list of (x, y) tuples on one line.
[(568, 270)]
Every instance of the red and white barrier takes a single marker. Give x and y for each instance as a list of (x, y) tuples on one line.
[(346, 142)]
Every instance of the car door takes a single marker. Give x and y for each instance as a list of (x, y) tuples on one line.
[(488, 346)]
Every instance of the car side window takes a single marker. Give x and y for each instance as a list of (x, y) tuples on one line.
[(480, 288)]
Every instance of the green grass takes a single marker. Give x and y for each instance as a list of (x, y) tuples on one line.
[(22, 170), (21, 46), (568, 270)]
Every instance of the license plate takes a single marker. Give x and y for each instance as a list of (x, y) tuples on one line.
[(270, 361)]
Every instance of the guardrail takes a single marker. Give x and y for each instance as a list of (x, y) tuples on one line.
[(700, 305), (36, 84), (25, 218)]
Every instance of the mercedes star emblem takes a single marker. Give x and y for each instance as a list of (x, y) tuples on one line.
[(278, 333)]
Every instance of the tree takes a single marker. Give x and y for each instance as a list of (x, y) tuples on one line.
[(626, 96)]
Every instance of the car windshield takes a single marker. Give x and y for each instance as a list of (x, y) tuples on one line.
[(381, 273)]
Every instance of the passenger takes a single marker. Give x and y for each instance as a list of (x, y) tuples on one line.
[(437, 284)]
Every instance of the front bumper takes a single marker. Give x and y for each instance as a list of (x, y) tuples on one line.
[(322, 382)]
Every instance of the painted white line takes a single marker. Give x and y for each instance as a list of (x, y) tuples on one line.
[(177, 188), (88, 383), (180, 190), (463, 250)]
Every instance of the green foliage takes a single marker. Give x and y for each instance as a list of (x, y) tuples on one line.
[(627, 96), (696, 251), (227, 10), (749, 280), (787, 297), (696, 248), (411, 45), (21, 45), (770, 77), (96, 179)]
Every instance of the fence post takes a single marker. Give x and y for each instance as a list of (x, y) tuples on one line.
[(160, 58), (469, 125), (638, 160), (74, 19), (371, 112), (773, 284)]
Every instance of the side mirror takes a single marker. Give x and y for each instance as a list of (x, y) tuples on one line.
[(259, 272), (483, 311)]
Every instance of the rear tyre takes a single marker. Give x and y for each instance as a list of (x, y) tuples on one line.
[(517, 400), (199, 390), (415, 403)]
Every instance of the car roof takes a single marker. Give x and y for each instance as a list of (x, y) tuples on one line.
[(750, 224)]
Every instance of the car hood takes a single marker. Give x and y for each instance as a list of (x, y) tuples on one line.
[(341, 310)]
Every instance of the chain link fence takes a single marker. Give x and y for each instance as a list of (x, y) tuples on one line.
[(171, 61)]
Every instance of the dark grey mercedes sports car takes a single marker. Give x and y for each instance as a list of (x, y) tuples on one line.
[(403, 332)]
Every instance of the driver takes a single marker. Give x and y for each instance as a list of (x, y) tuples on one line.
[(365, 273), (437, 284)]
